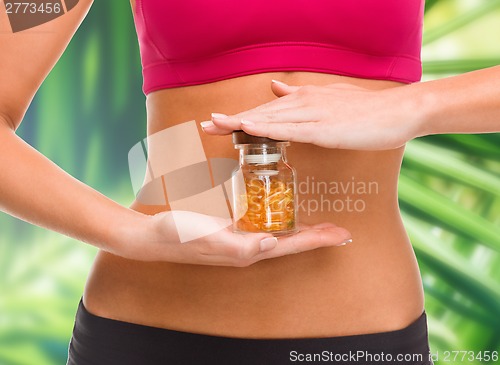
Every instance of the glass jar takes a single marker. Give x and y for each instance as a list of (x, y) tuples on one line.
[(264, 187)]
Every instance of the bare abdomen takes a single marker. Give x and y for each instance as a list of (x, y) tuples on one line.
[(370, 285)]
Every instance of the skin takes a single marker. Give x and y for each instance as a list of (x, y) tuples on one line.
[(36, 190), (225, 284), (352, 117)]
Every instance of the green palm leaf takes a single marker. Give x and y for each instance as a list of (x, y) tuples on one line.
[(448, 214)]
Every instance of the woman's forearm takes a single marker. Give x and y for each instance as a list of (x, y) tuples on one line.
[(36, 190), (349, 117), (468, 103), (33, 188)]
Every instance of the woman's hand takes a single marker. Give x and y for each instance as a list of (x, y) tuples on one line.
[(334, 116), (162, 238)]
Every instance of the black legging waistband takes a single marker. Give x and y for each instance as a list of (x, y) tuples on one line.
[(98, 340)]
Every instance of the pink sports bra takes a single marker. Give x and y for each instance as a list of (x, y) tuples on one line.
[(190, 42)]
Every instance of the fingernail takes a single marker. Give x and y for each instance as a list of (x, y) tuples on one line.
[(247, 122), (345, 242), (279, 82), (207, 124), (268, 243), (219, 116)]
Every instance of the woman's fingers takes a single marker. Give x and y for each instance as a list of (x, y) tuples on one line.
[(226, 248), (295, 132), (323, 225), (209, 127), (284, 109), (279, 110), (307, 240), (281, 89), (344, 86), (235, 249), (291, 107), (292, 124), (321, 235)]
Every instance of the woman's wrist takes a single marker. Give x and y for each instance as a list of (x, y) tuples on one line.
[(126, 233), (466, 103), (421, 103)]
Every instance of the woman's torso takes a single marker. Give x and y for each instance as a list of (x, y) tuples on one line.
[(370, 285)]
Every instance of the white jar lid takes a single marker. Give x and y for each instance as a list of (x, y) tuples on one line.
[(265, 172), (263, 158)]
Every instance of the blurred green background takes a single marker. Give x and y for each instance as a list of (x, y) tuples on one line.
[(449, 189)]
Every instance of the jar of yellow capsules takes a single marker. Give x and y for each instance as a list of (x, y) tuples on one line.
[(264, 187)]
